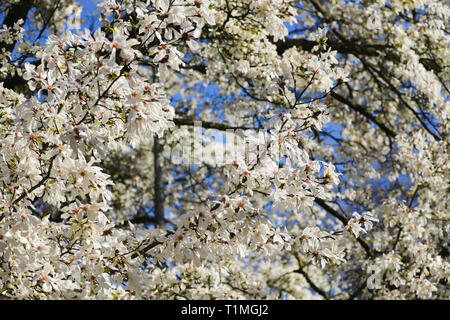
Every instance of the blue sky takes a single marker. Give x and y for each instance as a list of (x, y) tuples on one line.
[(88, 6), (87, 14)]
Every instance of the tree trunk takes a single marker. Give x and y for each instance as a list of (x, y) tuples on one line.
[(158, 197)]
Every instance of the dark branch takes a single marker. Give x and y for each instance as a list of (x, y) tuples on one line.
[(308, 279), (362, 111), (209, 125), (16, 12), (158, 197), (344, 221)]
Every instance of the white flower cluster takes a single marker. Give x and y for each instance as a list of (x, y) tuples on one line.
[(333, 182)]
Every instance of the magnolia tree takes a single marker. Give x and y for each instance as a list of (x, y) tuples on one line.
[(224, 149)]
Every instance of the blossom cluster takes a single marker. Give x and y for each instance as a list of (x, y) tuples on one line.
[(335, 185)]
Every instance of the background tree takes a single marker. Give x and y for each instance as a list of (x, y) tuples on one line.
[(224, 149)]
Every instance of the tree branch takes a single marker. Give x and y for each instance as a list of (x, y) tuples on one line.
[(344, 221), (366, 114), (308, 279), (158, 197), (210, 125), (40, 183), (16, 12)]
